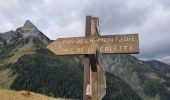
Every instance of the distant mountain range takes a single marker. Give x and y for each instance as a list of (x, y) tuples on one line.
[(26, 64)]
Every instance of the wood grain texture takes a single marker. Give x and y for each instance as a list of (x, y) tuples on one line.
[(126, 43)]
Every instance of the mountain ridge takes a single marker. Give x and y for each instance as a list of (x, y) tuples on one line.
[(26, 63)]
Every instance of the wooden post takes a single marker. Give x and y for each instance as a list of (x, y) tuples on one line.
[(90, 67), (86, 80), (94, 69)]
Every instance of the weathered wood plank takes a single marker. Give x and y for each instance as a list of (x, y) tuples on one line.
[(126, 43)]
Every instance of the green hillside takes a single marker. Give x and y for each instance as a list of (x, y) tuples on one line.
[(56, 76), (149, 79), (39, 70)]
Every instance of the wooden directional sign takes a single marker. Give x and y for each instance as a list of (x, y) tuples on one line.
[(60, 48), (127, 43), (92, 46)]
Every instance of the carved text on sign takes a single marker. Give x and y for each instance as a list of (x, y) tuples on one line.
[(127, 43)]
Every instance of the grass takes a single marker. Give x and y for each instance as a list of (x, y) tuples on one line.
[(157, 97), (5, 80), (15, 95), (153, 76), (16, 55)]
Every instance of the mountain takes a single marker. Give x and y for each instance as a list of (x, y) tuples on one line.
[(150, 79), (26, 64), (15, 44), (21, 39)]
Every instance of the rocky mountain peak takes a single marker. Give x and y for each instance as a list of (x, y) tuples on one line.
[(27, 32), (28, 25)]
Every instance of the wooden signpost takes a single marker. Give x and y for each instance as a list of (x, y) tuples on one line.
[(92, 46)]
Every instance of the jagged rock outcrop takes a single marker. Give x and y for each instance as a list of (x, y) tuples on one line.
[(28, 25), (29, 30)]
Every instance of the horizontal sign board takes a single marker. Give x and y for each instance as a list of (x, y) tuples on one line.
[(127, 43)]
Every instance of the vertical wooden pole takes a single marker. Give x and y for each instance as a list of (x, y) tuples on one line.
[(94, 73), (94, 77), (86, 59), (90, 68)]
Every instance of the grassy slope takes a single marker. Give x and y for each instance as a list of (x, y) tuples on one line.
[(15, 95), (46, 73), (5, 79), (11, 53), (5, 72), (49, 74)]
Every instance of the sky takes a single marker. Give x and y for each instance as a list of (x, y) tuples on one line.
[(66, 18)]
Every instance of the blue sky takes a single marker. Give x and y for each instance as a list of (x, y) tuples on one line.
[(66, 18)]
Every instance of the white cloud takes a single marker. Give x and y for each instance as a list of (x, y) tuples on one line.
[(165, 59), (66, 18)]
